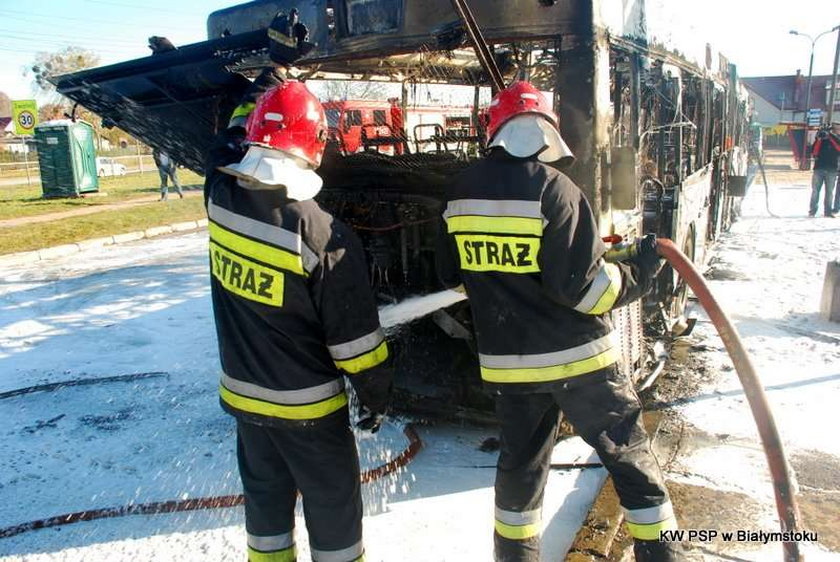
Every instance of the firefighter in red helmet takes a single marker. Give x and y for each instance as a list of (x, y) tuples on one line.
[(521, 239), (294, 316)]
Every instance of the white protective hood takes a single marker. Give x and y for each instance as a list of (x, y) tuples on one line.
[(529, 134), (266, 168)]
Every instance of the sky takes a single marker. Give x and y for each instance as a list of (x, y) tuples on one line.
[(752, 33)]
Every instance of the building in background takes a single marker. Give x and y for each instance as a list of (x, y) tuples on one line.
[(7, 128), (779, 100)]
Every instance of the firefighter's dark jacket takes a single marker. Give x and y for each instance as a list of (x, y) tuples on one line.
[(521, 237), (293, 308)]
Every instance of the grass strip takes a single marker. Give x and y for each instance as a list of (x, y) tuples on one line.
[(23, 201), (75, 229)]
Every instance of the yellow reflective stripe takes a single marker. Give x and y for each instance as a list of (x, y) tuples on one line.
[(243, 110), (517, 532), (366, 360), (554, 372), (297, 412), (275, 35), (257, 250), (501, 225), (508, 254), (610, 295), (245, 278), (285, 555), (650, 531)]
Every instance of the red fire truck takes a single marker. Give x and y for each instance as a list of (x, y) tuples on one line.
[(358, 125)]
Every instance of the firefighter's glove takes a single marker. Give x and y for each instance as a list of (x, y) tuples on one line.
[(370, 421), (374, 391), (646, 257)]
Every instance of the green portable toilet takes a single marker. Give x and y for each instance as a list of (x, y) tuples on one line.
[(66, 158)]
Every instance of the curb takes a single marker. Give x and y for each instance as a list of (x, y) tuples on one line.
[(21, 258)]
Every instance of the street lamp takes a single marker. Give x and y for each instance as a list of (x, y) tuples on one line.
[(830, 119), (804, 164)]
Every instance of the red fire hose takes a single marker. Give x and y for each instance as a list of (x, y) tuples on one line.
[(786, 506), (193, 504)]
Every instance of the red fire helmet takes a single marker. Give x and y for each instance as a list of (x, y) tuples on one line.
[(518, 98), (288, 117)]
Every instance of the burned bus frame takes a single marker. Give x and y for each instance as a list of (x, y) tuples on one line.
[(659, 137)]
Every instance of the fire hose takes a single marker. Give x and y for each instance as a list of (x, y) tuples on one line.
[(789, 516), (207, 502), (766, 189)]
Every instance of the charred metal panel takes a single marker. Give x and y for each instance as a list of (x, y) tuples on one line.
[(431, 24), (256, 16), (173, 100), (355, 29), (361, 17), (177, 99), (576, 105), (625, 183)]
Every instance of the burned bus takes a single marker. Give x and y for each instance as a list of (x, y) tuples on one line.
[(659, 130)]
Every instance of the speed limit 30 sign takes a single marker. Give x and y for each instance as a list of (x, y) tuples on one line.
[(25, 115)]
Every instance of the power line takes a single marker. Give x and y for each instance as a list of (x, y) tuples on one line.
[(144, 8), (41, 45), (17, 34), (15, 50), (19, 17)]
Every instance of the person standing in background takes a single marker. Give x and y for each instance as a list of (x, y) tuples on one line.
[(826, 157), (167, 170)]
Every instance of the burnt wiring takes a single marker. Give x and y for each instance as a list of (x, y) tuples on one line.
[(392, 226)]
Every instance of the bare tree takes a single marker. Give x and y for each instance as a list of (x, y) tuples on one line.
[(54, 105), (47, 65), (353, 90)]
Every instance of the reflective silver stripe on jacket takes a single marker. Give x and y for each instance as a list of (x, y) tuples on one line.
[(518, 518), (272, 543), (343, 555), (358, 346), (284, 397), (270, 233), (537, 360), (490, 208), (649, 515), (596, 290)]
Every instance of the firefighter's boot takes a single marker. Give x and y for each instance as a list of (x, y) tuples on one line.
[(657, 551)]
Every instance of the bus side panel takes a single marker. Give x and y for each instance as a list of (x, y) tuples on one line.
[(693, 211)]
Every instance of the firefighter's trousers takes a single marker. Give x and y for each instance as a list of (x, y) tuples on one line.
[(320, 461), (605, 411)]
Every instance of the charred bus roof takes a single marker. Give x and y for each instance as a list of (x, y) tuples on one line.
[(359, 29), (176, 100)]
